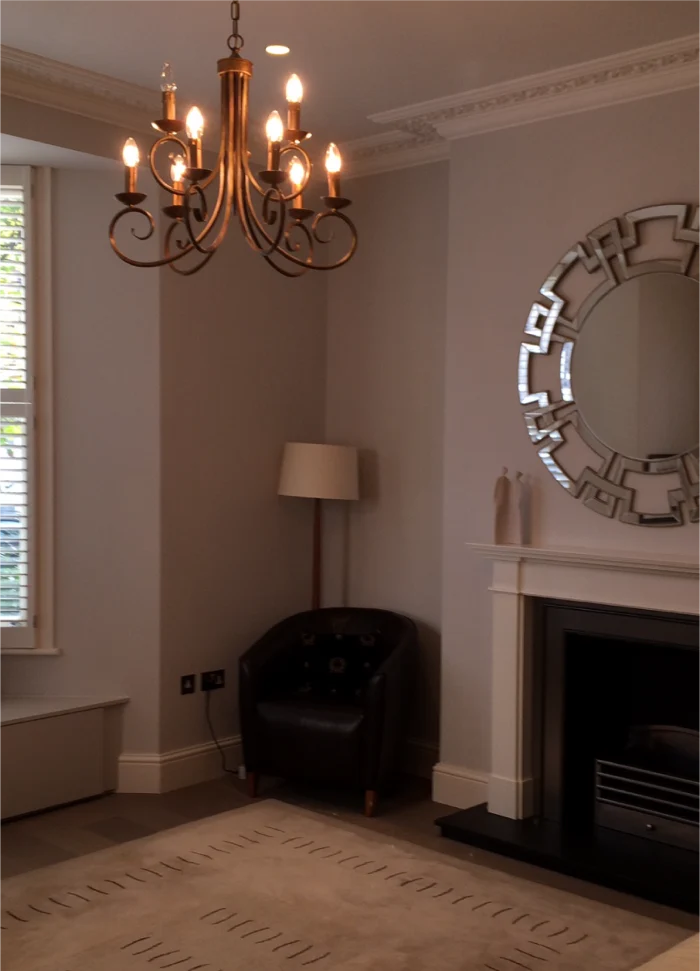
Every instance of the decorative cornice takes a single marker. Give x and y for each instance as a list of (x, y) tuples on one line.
[(392, 150), (421, 131), (64, 87)]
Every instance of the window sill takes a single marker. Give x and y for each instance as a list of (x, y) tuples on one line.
[(30, 652)]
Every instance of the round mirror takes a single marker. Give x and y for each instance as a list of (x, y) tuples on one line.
[(634, 375)]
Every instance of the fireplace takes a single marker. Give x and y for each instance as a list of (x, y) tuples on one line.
[(619, 736), (595, 723)]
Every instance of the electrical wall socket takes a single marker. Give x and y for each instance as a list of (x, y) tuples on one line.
[(211, 680), (187, 684)]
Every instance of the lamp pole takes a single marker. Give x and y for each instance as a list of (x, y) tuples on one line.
[(316, 566)]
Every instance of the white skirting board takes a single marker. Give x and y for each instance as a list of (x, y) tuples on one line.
[(163, 772), (456, 786)]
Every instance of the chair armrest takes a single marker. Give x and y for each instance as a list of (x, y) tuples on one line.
[(385, 703)]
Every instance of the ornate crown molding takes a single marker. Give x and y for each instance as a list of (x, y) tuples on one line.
[(421, 131), (64, 87), (393, 150)]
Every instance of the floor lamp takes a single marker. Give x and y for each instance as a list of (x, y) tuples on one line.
[(318, 472)]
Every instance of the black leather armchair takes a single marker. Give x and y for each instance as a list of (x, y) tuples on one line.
[(323, 697)]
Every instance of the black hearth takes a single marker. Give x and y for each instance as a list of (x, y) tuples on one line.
[(617, 749)]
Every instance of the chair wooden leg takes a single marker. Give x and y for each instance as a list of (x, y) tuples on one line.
[(370, 802), (252, 778)]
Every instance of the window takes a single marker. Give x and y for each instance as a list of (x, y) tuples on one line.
[(24, 521)]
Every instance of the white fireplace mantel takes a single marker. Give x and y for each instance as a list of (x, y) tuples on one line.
[(643, 581)]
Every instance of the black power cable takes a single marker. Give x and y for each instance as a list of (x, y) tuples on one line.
[(207, 712)]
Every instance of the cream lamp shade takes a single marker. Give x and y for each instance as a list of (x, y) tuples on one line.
[(319, 471)]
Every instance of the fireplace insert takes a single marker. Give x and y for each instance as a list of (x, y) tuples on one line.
[(650, 788)]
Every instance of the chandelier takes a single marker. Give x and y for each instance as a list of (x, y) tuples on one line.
[(270, 207)]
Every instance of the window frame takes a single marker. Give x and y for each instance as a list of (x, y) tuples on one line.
[(38, 637)]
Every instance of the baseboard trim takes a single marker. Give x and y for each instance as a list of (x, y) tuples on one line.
[(420, 758), (456, 786), (164, 771)]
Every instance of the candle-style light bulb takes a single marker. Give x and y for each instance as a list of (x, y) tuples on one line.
[(167, 77), (274, 129), (178, 168), (130, 153), (294, 90), (333, 165), (194, 123), (130, 156), (297, 174), (294, 93), (168, 89)]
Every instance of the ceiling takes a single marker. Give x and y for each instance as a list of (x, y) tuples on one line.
[(22, 151), (355, 57)]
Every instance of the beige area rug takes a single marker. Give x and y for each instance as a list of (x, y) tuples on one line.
[(271, 888)]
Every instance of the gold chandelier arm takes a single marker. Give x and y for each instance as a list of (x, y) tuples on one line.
[(205, 183), (165, 261), (184, 247), (282, 270), (226, 179), (227, 185), (314, 236), (334, 214), (248, 213), (152, 163)]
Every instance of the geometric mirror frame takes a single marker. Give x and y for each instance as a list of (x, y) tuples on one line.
[(654, 246)]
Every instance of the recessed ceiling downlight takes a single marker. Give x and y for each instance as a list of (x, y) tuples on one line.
[(277, 49)]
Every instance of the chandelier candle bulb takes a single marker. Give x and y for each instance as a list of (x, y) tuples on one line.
[(168, 88), (274, 129), (296, 177), (177, 175), (333, 165), (294, 94), (195, 130), (131, 157)]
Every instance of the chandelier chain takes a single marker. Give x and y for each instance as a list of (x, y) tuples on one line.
[(235, 40)]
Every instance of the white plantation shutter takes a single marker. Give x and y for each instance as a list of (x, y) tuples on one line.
[(17, 384)]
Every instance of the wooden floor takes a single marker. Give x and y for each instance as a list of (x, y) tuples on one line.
[(73, 831)]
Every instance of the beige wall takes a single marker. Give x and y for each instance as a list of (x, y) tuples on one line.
[(385, 378), (518, 199), (107, 468), (207, 376), (242, 371)]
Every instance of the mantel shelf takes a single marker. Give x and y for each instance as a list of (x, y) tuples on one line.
[(669, 565)]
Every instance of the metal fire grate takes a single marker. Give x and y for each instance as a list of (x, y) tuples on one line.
[(645, 803)]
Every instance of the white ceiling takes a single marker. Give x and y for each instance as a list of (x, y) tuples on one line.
[(356, 57), (22, 151)]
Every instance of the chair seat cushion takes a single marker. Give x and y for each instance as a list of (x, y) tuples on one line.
[(327, 667), (311, 740)]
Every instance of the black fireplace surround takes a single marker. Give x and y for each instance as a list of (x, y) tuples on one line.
[(616, 753)]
